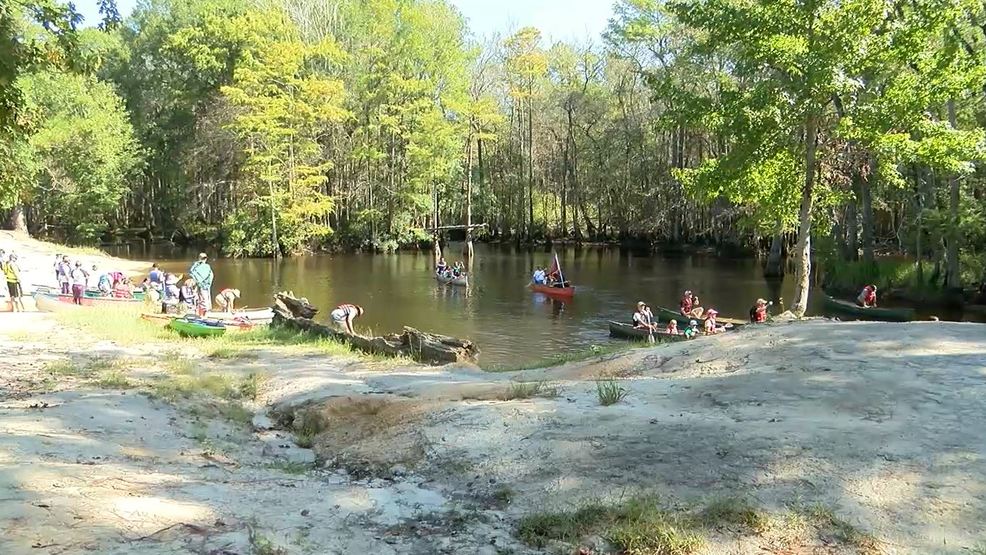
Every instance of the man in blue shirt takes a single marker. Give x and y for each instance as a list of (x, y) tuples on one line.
[(201, 272)]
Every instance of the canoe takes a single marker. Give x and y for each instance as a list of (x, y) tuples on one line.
[(553, 291), (89, 293), (666, 315), (626, 331), (461, 281), (163, 320), (47, 303), (873, 313), (189, 327), (232, 324), (88, 301), (252, 315)]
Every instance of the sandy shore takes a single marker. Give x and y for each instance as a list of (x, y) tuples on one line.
[(889, 434), (37, 259)]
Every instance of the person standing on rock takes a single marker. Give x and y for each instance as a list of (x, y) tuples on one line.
[(201, 272)]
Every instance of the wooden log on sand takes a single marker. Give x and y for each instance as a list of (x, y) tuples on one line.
[(296, 314)]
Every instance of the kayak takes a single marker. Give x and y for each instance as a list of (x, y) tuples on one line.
[(86, 301), (232, 324), (626, 331), (195, 327), (666, 315), (554, 291), (871, 313), (461, 281)]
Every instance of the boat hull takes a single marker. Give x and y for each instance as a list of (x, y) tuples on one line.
[(873, 313), (461, 281), (47, 301), (251, 315), (626, 331), (553, 291)]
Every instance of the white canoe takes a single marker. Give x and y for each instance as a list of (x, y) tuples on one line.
[(255, 315)]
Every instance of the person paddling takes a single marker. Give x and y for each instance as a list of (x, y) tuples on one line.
[(640, 317), (867, 297), (344, 315)]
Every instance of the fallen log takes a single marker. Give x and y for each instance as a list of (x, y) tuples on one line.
[(296, 314)]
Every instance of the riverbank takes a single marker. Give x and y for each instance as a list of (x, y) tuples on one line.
[(36, 259), (795, 438)]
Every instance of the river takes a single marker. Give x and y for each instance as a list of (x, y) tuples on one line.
[(510, 324)]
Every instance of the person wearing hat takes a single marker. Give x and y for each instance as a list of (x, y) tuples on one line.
[(63, 273), (758, 313), (225, 299), (710, 322), (12, 273), (344, 315), (201, 272), (642, 318), (80, 277), (867, 297), (690, 305)]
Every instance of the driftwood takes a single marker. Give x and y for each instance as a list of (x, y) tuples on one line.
[(296, 314)]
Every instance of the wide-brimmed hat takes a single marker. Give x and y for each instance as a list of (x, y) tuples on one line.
[(203, 256), (711, 312), (641, 303), (235, 292), (761, 301)]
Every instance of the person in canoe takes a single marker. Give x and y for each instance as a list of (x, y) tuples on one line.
[(457, 269), (226, 298), (539, 276), (867, 297), (710, 322), (641, 320), (758, 312), (105, 284), (122, 288), (672, 328), (692, 329), (344, 315), (442, 266), (188, 296), (689, 305), (80, 277)]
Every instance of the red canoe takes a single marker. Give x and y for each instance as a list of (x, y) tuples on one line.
[(553, 291)]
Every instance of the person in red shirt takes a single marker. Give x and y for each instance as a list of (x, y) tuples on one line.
[(758, 314), (690, 305), (672, 328), (867, 297)]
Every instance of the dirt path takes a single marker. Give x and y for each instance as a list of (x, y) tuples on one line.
[(886, 437)]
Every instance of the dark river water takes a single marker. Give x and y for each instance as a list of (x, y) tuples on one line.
[(510, 324)]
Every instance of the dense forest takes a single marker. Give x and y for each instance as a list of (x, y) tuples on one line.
[(847, 129)]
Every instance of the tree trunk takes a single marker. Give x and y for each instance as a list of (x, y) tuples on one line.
[(802, 282), (952, 277), (18, 221), (530, 163), (774, 266), (866, 201), (469, 251), (852, 227)]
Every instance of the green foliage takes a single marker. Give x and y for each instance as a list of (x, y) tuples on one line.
[(84, 149)]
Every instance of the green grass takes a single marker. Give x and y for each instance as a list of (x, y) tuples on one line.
[(610, 392), (185, 386), (528, 390), (289, 467), (636, 527), (737, 512), (114, 379), (565, 358)]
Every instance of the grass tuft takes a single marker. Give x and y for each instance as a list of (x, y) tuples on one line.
[(527, 390), (732, 511), (114, 379), (610, 392)]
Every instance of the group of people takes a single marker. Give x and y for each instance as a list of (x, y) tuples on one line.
[(550, 277), (445, 271), (74, 279), (180, 294), (690, 307)]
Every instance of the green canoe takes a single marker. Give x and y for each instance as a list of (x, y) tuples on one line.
[(872, 313), (666, 315), (626, 331), (197, 328)]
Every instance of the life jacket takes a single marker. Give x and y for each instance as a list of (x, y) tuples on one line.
[(686, 305)]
